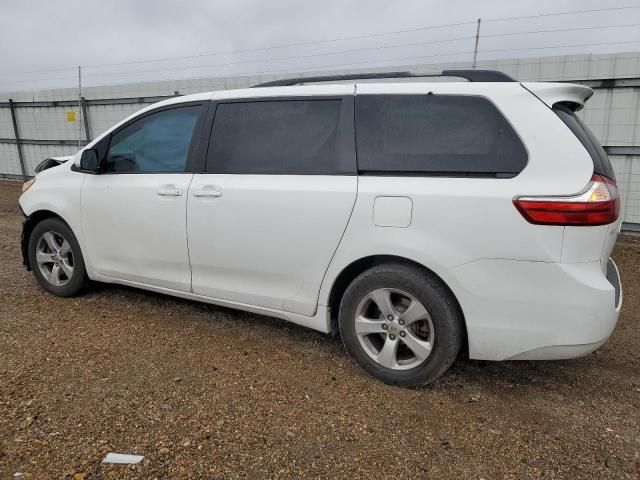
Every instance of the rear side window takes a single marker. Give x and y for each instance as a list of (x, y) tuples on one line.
[(601, 163), (435, 135), (281, 137)]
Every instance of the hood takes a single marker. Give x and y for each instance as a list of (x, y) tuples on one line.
[(50, 163)]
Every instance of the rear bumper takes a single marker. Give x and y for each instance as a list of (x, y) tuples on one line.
[(521, 310), (613, 277)]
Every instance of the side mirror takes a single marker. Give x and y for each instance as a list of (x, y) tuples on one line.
[(89, 160)]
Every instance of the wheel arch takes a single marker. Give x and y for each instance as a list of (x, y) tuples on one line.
[(29, 224), (355, 268)]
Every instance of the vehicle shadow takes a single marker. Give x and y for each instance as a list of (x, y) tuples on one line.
[(463, 373)]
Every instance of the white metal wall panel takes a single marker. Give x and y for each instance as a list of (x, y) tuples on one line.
[(34, 154), (564, 67), (47, 123), (6, 126), (613, 114), (103, 117), (9, 160), (627, 168)]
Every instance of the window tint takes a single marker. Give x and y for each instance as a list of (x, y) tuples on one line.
[(156, 143), (435, 134), (601, 163), (290, 137)]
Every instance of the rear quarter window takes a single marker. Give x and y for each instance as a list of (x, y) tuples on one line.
[(457, 135), (601, 163)]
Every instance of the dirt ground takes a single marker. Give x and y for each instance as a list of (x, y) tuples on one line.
[(206, 392)]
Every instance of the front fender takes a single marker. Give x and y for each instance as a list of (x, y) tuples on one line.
[(55, 193), (28, 224)]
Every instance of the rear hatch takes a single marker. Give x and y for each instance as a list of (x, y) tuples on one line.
[(591, 217), (601, 166)]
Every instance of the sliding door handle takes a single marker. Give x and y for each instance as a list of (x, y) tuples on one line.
[(207, 193), (169, 191)]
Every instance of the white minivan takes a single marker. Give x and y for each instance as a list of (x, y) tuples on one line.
[(416, 219)]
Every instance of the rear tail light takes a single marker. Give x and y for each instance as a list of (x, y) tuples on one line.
[(598, 204)]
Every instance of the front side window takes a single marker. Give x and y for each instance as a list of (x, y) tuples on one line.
[(280, 137), (158, 142), (435, 134)]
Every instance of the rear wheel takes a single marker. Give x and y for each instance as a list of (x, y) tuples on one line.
[(55, 258), (400, 324)]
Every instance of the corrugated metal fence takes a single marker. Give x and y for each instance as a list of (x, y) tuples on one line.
[(36, 125)]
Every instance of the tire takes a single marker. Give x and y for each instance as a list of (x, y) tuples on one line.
[(410, 346), (56, 259)]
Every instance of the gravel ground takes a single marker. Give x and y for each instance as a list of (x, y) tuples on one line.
[(206, 392)]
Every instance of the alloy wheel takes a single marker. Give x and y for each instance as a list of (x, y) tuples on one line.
[(394, 328), (54, 257)]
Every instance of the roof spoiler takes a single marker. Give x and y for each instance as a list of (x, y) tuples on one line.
[(470, 75), (553, 93)]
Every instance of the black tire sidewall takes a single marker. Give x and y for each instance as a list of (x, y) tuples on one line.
[(444, 311), (79, 277)]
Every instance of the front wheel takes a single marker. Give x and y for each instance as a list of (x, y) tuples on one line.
[(401, 324), (56, 259)]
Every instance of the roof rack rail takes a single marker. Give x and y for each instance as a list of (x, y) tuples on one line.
[(471, 75)]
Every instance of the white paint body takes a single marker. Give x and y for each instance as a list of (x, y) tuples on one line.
[(256, 257), (276, 244)]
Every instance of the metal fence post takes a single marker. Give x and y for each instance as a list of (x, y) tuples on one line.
[(475, 48), (85, 117), (14, 120)]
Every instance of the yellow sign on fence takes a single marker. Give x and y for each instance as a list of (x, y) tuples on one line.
[(71, 117)]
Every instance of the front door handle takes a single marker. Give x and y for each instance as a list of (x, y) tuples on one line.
[(207, 192), (169, 191)]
